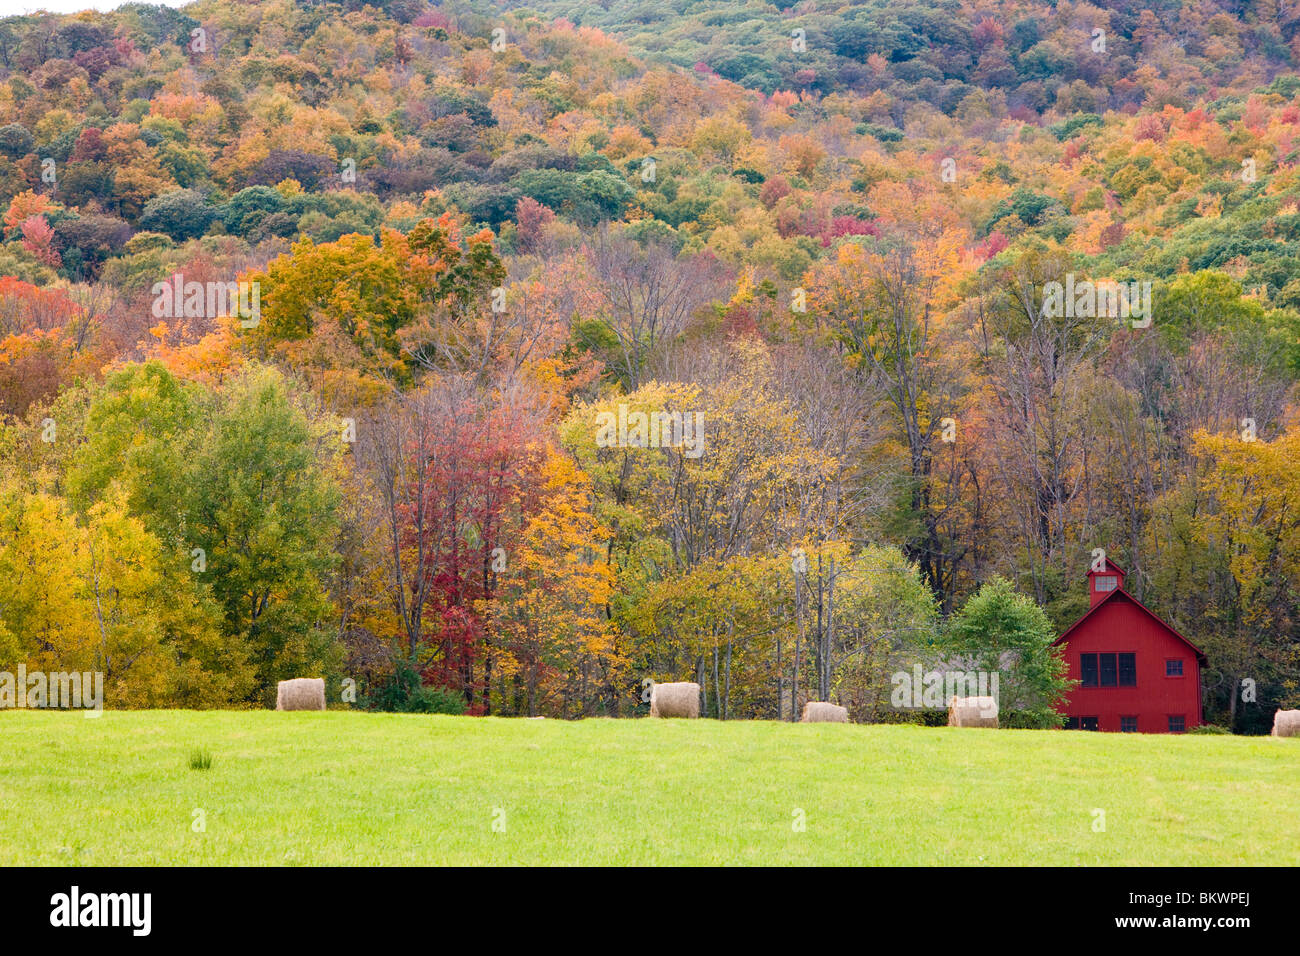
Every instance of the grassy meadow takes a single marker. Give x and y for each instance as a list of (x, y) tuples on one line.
[(353, 788)]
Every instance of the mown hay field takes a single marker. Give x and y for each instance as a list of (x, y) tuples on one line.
[(354, 788)]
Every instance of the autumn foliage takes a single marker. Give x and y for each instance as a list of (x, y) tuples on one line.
[(816, 277)]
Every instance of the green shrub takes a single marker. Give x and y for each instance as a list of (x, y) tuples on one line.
[(403, 693), (435, 700), (882, 134), (145, 241)]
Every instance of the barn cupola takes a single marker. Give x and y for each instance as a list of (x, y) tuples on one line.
[(1104, 579)]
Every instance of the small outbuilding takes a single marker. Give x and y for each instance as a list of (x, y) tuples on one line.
[(1136, 673)]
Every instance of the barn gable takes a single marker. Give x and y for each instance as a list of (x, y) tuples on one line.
[(1121, 596)]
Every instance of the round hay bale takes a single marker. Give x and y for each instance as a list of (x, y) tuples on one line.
[(973, 712), (675, 700), (1286, 723), (819, 711), (301, 693)]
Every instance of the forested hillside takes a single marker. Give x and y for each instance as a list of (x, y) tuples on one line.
[(502, 357)]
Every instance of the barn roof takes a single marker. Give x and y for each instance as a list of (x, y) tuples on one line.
[(1116, 595)]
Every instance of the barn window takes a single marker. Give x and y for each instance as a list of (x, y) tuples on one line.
[(1107, 582), (1107, 669), (1177, 724), (1174, 668), (1071, 723), (1128, 670), (1087, 723), (1128, 725), (1088, 669)]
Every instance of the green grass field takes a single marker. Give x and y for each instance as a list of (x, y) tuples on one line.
[(348, 788)]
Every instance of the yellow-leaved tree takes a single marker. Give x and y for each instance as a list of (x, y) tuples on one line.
[(103, 595), (556, 648)]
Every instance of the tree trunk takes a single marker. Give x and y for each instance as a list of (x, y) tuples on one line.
[(780, 681), (828, 641), (1233, 683), (798, 647), (726, 697), (821, 624), (717, 685), (701, 673)]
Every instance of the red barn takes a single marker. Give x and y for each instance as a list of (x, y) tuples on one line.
[(1136, 673)]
